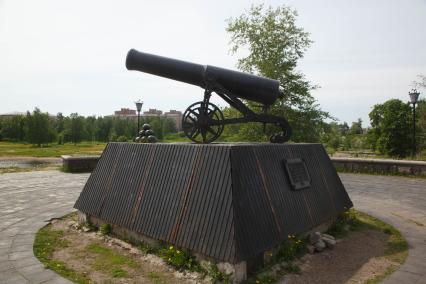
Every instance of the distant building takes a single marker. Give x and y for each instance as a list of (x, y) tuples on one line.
[(175, 115), (152, 112), (125, 112), (177, 118)]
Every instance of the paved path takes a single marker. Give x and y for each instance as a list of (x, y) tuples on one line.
[(401, 202), (28, 200)]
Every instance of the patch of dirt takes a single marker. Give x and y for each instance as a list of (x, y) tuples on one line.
[(355, 259), (137, 267)]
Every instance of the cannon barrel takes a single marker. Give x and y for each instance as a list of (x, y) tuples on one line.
[(243, 85)]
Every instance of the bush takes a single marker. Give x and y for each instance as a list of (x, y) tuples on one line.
[(291, 248), (146, 248), (179, 259), (122, 138), (105, 229), (218, 276), (345, 221)]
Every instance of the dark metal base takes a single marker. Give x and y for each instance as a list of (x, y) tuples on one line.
[(229, 202)]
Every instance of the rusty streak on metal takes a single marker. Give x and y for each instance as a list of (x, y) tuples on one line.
[(187, 193), (325, 183), (142, 186), (265, 187), (108, 187)]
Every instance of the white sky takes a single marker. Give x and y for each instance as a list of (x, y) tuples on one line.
[(68, 56)]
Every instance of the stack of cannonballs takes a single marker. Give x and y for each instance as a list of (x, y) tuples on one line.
[(146, 135), (319, 241)]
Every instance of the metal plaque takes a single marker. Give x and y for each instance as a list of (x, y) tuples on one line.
[(297, 173)]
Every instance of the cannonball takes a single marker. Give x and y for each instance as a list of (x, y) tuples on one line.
[(152, 139), (137, 139), (141, 133), (144, 139), (149, 132), (146, 126)]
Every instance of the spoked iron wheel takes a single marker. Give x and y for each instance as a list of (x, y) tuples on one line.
[(202, 122), (284, 135), (280, 137)]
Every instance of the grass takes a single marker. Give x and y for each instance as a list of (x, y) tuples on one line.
[(8, 149), (175, 137), (105, 260), (45, 243), (109, 261), (353, 220), (155, 278), (396, 245)]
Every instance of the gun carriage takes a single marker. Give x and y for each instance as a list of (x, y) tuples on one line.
[(203, 122)]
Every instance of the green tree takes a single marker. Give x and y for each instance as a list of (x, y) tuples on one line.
[(123, 127), (39, 129), (13, 128), (331, 136), (390, 128), (169, 126), (59, 123), (104, 127), (157, 126), (421, 124), (421, 114), (356, 127), (74, 128), (344, 128), (119, 126), (275, 44), (90, 128), (421, 83)]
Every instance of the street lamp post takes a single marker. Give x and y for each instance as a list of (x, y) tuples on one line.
[(414, 96), (139, 104)]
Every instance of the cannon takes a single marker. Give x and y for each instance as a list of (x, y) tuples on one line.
[(203, 122)]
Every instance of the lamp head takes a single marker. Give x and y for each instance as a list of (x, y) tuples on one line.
[(414, 96), (139, 104)]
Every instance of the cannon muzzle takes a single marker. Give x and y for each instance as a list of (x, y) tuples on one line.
[(242, 85)]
